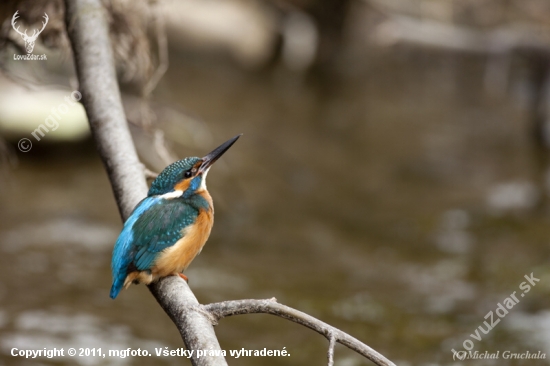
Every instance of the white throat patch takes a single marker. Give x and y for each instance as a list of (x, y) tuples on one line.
[(203, 181), (171, 195)]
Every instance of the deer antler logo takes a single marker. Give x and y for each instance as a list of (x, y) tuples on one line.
[(29, 40)]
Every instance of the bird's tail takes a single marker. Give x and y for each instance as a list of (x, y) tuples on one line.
[(116, 287)]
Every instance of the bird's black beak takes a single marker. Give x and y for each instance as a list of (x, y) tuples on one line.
[(211, 157)]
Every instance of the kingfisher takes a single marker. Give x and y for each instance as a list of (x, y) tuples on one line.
[(169, 227)]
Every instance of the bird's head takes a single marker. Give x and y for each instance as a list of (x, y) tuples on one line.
[(187, 177)]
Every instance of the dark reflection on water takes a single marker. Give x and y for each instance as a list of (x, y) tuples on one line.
[(399, 203)]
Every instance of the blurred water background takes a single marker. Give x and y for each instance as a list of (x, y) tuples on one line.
[(396, 191)]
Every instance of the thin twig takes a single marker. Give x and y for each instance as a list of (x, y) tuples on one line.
[(149, 174), (162, 43), (271, 306), (159, 143), (330, 353)]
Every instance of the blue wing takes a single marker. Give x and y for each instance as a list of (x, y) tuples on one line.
[(155, 225)]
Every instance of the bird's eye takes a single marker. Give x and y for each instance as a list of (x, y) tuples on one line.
[(187, 174)]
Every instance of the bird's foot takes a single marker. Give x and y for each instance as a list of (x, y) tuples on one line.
[(184, 277)]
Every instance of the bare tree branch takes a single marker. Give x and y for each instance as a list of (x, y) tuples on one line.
[(194, 324), (88, 31), (87, 28), (270, 306)]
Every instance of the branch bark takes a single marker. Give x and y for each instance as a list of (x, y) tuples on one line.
[(88, 32), (270, 306)]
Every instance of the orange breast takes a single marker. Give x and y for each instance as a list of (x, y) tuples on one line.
[(177, 258)]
